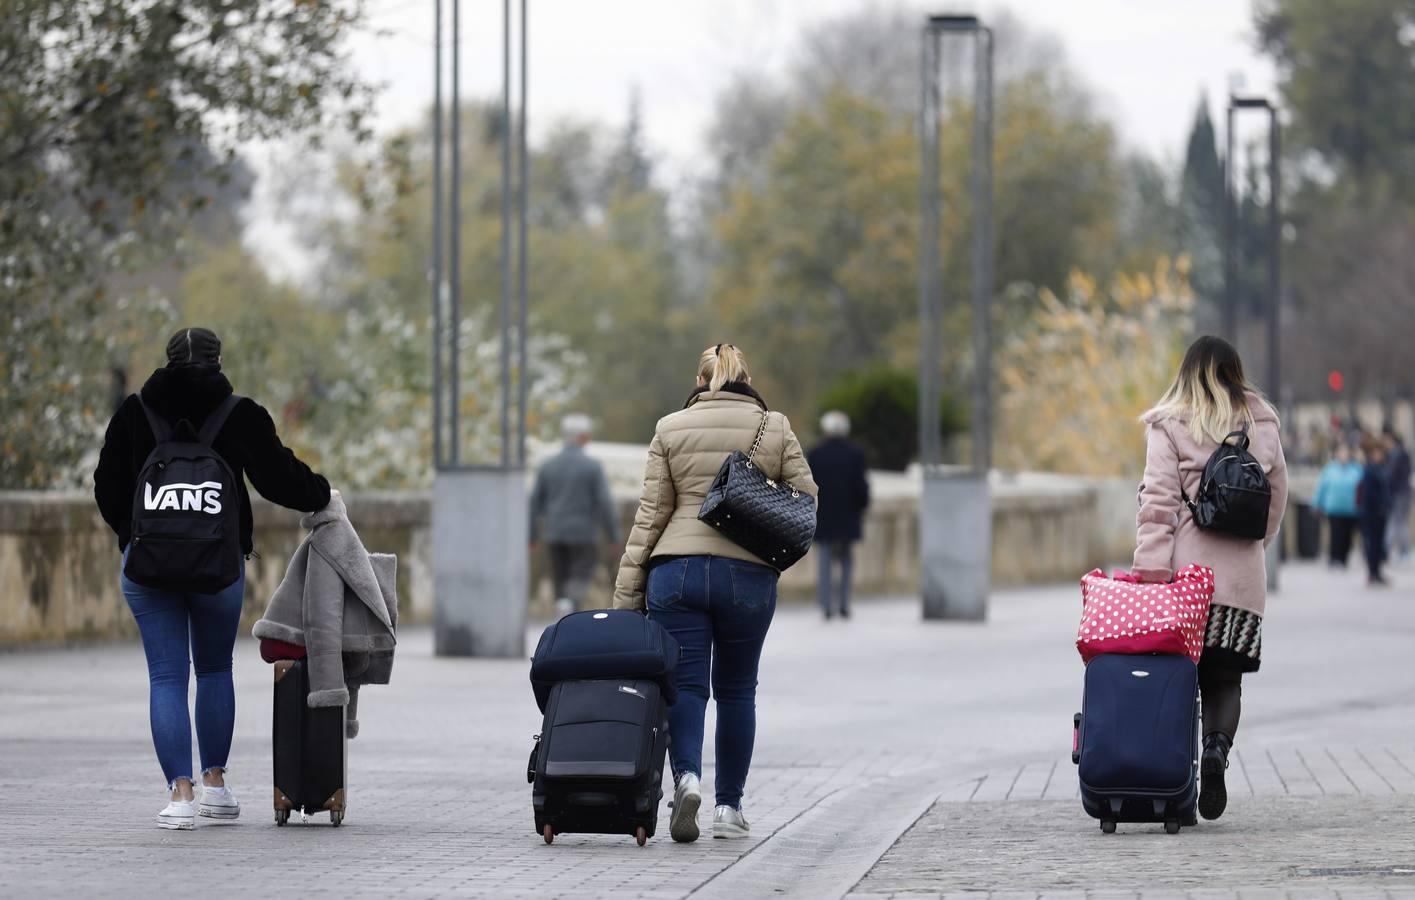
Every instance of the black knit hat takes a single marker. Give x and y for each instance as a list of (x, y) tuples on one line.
[(193, 347)]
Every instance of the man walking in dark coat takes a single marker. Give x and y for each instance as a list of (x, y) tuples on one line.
[(838, 466), (571, 507)]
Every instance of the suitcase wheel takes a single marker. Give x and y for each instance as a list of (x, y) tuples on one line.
[(336, 816), (1107, 826), (548, 833), (282, 816), (641, 835), (1171, 826)]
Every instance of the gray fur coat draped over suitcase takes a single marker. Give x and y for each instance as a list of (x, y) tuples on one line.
[(339, 602)]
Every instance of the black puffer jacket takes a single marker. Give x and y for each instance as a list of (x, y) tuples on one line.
[(247, 442)]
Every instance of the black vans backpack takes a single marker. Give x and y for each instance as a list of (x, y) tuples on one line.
[(1234, 495), (186, 532)]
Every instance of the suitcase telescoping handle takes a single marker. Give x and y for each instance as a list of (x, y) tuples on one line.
[(1076, 739)]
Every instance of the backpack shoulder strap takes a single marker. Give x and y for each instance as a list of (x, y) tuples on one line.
[(1242, 435), (211, 425), (161, 428)]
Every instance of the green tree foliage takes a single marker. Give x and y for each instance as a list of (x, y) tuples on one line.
[(1201, 199), (1347, 76), (118, 123), (605, 316), (822, 255), (883, 406)]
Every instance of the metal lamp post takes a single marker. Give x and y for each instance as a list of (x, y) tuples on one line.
[(955, 515), (1230, 254), (479, 552)]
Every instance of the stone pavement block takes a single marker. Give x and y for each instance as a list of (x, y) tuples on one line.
[(1064, 783), (1334, 780), (1032, 782), (1403, 760), (997, 785), (1296, 775), (1259, 843), (1256, 767), (1384, 763), (1355, 765)]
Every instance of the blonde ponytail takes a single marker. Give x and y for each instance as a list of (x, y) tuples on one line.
[(722, 365)]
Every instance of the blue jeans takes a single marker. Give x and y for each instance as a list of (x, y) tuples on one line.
[(831, 554), (169, 622), (719, 610)]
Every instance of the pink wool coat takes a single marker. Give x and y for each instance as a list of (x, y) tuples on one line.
[(1167, 538)]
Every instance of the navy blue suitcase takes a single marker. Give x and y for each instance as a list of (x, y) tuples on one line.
[(607, 643), (597, 765), (1137, 740)]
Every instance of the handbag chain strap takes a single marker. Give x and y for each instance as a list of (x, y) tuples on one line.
[(757, 445)]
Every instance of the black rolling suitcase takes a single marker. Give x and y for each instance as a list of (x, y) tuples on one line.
[(597, 765), (311, 750), (1137, 740)]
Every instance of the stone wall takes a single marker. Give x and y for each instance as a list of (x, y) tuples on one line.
[(59, 562)]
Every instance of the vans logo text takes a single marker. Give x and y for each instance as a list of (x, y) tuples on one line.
[(204, 497)]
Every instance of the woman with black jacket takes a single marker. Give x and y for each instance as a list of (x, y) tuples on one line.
[(189, 389)]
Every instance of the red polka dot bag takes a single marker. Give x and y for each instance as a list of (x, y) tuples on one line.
[(1120, 616)]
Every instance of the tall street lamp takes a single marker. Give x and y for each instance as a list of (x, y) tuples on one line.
[(479, 553), (1231, 238), (1230, 254), (955, 530)]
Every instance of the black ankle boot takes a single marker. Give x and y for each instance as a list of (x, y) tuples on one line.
[(1213, 794)]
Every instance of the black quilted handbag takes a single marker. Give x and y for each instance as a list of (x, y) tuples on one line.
[(774, 522)]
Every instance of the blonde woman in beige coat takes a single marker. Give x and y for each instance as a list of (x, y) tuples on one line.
[(716, 598), (1210, 398)]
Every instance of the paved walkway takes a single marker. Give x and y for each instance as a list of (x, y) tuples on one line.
[(894, 758)]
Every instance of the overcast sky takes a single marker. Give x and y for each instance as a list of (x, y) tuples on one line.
[(1145, 60)]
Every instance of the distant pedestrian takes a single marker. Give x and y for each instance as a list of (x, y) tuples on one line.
[(1398, 476), (838, 466), (1335, 499), (1209, 399), (713, 595), (572, 510), (180, 399), (1374, 496)]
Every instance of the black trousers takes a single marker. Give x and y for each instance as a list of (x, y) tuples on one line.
[(1373, 542), (1342, 530), (1220, 695), (572, 570)]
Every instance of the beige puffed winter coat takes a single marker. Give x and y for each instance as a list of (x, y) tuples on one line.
[(688, 449)]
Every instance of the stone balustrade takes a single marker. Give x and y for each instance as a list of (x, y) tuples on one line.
[(59, 562)]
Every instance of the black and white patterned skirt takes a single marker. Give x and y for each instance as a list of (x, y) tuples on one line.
[(1233, 639)]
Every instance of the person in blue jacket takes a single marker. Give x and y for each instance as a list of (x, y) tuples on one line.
[(1335, 499), (1374, 498)]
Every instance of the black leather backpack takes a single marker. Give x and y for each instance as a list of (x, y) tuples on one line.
[(1234, 495)]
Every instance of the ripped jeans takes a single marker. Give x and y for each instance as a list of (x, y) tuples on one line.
[(170, 622)]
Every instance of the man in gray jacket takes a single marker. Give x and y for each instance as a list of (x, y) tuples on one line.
[(570, 507)]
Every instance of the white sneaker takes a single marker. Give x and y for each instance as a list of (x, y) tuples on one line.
[(218, 803), (178, 814), (683, 823), (730, 823)]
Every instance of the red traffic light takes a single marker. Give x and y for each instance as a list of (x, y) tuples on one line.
[(1335, 381)]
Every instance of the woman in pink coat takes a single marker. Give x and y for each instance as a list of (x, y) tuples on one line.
[(1209, 399)]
